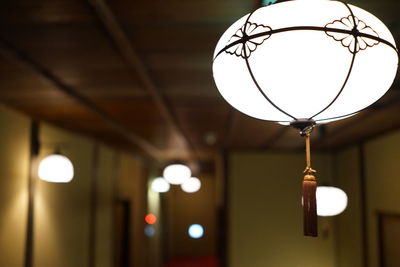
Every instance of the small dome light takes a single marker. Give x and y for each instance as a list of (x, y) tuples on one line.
[(176, 173), (160, 185), (191, 185), (56, 168)]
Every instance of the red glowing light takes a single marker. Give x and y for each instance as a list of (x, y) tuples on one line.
[(150, 218)]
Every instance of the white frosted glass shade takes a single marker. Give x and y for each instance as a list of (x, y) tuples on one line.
[(302, 60), (191, 185), (331, 201), (160, 185), (56, 168), (176, 173)]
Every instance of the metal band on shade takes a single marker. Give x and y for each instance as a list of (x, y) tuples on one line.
[(351, 64), (254, 79), (353, 32), (308, 28)]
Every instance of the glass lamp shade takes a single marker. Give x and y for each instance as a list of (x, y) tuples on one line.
[(176, 173), (160, 185), (56, 168), (191, 185), (306, 59)]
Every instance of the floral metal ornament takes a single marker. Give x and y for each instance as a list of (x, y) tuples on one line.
[(243, 42), (353, 41)]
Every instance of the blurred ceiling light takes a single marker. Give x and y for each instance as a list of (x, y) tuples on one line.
[(210, 138), (196, 231), (331, 201), (191, 185), (56, 168), (176, 173), (160, 185)]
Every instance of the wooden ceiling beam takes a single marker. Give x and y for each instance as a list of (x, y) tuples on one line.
[(11, 52), (125, 48)]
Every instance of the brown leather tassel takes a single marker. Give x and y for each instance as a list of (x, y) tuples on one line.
[(310, 206)]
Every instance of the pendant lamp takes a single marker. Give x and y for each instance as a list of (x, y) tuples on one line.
[(305, 62)]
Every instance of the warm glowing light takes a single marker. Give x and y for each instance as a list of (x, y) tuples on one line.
[(196, 231), (160, 185), (273, 63), (56, 168), (191, 185), (177, 173), (150, 218), (331, 201)]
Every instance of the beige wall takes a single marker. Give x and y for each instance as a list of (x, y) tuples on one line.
[(265, 213), (185, 209), (348, 224), (382, 191), (62, 211), (14, 159), (106, 186), (382, 157), (155, 243), (265, 216), (132, 186)]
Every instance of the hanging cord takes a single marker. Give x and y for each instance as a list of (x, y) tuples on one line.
[(308, 169), (309, 191)]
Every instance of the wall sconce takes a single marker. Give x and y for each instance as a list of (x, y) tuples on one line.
[(176, 173), (160, 185), (56, 168), (191, 185), (305, 62)]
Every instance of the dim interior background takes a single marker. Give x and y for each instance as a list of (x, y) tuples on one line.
[(125, 88)]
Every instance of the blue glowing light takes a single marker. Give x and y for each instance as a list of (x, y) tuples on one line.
[(196, 231), (149, 231)]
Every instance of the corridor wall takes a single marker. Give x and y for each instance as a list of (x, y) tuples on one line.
[(73, 222)]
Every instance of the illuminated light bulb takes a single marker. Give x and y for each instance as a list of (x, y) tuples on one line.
[(331, 201), (56, 168), (196, 231), (160, 185), (150, 218), (191, 185), (176, 173)]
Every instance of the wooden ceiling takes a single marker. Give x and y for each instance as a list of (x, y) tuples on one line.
[(137, 74)]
